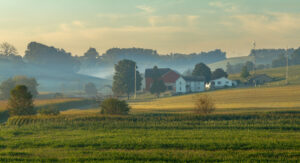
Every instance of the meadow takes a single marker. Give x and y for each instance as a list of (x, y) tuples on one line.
[(152, 137)]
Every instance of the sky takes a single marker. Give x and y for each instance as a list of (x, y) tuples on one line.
[(168, 26)]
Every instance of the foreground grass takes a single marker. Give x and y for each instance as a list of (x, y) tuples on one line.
[(152, 137), (230, 100)]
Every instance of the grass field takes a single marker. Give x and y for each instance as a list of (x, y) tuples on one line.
[(152, 137), (230, 100)]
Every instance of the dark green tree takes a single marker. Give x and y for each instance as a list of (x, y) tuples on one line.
[(245, 73), (158, 87), (219, 73), (124, 78), (90, 89), (20, 102), (156, 74), (201, 70)]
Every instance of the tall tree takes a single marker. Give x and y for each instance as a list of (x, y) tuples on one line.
[(20, 102), (245, 73), (219, 73), (124, 78), (7, 49), (158, 87), (201, 70)]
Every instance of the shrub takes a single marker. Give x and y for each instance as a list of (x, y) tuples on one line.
[(49, 111), (204, 104), (114, 106)]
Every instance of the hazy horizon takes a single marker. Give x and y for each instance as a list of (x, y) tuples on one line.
[(169, 26)]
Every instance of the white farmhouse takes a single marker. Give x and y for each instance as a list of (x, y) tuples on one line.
[(189, 85), (221, 83)]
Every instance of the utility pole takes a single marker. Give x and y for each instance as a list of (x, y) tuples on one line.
[(254, 53), (135, 81), (287, 67)]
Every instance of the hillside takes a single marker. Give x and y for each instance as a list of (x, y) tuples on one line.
[(232, 61), (279, 74)]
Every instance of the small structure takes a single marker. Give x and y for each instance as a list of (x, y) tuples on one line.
[(260, 79), (190, 84), (167, 75), (220, 83)]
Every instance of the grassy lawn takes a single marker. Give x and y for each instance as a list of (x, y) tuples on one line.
[(152, 137)]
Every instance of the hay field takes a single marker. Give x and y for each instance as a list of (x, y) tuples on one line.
[(230, 100)]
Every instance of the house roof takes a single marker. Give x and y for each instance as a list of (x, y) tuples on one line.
[(192, 78), (162, 71)]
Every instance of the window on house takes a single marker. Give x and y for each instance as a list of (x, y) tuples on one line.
[(219, 82), (170, 87)]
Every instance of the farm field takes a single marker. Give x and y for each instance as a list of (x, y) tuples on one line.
[(152, 137), (230, 100), (249, 124)]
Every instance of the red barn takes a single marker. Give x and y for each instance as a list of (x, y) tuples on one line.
[(167, 75)]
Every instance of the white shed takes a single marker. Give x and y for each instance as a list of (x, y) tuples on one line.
[(189, 84)]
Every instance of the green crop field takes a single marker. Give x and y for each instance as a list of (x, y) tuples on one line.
[(152, 137)]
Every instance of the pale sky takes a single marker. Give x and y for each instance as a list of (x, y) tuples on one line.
[(182, 26)]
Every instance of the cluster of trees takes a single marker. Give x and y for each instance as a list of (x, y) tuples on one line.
[(7, 85), (281, 61), (202, 70), (46, 57)]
